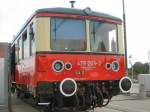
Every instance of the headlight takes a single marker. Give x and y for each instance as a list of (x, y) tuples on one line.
[(115, 66), (58, 66)]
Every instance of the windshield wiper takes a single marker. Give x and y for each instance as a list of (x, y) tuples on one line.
[(58, 26), (95, 29)]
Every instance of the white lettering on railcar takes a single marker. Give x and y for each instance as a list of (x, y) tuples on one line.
[(89, 64)]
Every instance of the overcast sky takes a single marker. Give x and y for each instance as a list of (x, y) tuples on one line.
[(14, 13)]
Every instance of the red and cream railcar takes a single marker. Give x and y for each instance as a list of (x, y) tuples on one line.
[(70, 58)]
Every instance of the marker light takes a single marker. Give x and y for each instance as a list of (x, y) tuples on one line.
[(108, 66), (68, 66)]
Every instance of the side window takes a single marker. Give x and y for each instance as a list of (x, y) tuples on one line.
[(16, 51), (25, 45), (32, 40), (20, 48)]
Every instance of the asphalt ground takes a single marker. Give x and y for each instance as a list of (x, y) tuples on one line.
[(120, 103), (129, 103)]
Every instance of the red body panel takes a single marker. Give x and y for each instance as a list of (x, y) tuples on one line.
[(85, 67), (76, 16), (26, 72)]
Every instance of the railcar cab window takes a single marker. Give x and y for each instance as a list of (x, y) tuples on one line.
[(68, 34), (103, 37)]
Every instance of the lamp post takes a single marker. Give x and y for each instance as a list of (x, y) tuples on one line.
[(125, 38), (149, 60), (130, 61)]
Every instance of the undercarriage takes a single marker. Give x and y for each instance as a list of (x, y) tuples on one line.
[(89, 95)]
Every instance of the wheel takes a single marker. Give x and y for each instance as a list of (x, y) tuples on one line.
[(100, 100), (18, 93), (26, 95), (106, 99)]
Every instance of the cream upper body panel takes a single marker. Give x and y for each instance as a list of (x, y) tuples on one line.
[(88, 34), (42, 34), (120, 40)]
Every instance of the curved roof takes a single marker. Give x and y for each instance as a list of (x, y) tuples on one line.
[(76, 11), (68, 11)]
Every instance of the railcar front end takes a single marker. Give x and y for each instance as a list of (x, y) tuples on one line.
[(70, 58)]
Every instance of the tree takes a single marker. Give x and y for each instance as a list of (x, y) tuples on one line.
[(139, 68)]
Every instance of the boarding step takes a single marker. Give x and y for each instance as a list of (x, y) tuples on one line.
[(44, 104)]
